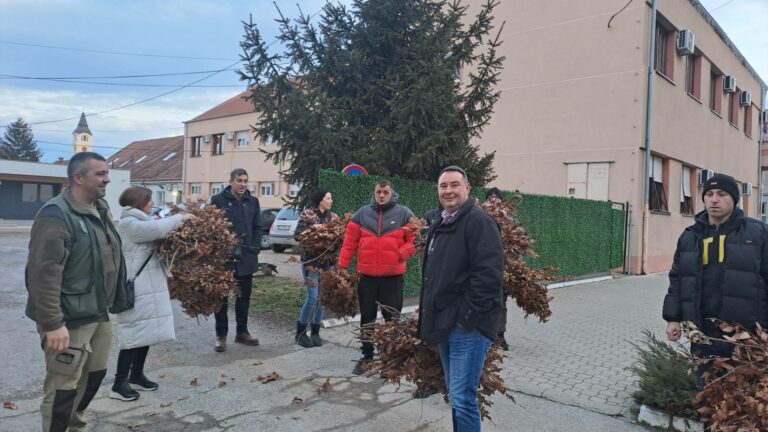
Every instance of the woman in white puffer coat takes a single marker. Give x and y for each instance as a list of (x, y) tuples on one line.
[(150, 321)]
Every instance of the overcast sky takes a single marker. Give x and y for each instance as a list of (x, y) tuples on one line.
[(176, 36)]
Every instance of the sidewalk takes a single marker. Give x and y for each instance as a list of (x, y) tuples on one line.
[(9, 226)]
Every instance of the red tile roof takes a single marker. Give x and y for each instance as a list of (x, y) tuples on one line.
[(232, 106), (147, 159)]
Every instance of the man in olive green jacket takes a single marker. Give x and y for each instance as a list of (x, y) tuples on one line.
[(75, 276)]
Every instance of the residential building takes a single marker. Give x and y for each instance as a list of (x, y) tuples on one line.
[(572, 117), (155, 164), (220, 140)]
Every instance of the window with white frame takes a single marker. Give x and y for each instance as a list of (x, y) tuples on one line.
[(294, 190), (159, 197), (242, 139), (197, 146), (216, 188), (194, 189), (267, 189), (686, 202), (268, 140), (218, 145), (657, 195)]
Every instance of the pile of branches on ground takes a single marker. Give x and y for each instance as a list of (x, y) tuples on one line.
[(196, 254), (338, 293), (735, 398), (402, 356), (320, 242), (524, 284)]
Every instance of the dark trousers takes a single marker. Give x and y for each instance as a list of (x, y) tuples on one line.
[(131, 360), (704, 351), (242, 303), (386, 290)]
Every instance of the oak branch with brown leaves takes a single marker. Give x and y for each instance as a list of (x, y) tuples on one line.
[(320, 242), (402, 356), (735, 396), (196, 254), (524, 284)]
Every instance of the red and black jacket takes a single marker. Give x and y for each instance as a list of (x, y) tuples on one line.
[(382, 237)]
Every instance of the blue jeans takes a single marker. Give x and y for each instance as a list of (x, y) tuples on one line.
[(311, 304), (463, 357)]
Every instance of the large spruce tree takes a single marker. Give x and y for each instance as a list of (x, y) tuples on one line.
[(18, 143), (399, 86)]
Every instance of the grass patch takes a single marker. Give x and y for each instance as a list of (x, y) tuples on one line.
[(277, 297)]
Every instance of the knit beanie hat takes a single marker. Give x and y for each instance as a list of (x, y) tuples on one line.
[(317, 196), (724, 182), (493, 191)]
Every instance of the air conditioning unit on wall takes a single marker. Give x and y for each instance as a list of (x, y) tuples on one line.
[(764, 117), (230, 136), (729, 84), (746, 189), (746, 98), (705, 175), (207, 139), (685, 42)]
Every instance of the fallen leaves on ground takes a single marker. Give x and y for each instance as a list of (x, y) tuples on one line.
[(274, 376), (297, 400), (194, 383), (9, 405), (166, 404), (325, 387), (222, 384)]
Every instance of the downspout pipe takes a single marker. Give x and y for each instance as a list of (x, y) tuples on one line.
[(648, 131), (760, 155)]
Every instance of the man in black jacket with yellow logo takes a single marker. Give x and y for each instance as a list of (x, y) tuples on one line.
[(462, 292), (719, 270), (243, 211)]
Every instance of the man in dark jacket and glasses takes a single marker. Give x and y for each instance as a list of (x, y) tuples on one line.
[(461, 295), (719, 271)]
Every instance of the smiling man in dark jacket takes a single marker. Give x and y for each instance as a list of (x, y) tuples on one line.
[(719, 271), (461, 295), (243, 211)]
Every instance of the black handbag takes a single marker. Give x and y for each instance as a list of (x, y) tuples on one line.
[(130, 292)]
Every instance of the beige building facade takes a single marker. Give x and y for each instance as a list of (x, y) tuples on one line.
[(572, 117), (220, 140)]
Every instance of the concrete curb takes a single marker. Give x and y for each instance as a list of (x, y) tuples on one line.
[(578, 282), (15, 229)]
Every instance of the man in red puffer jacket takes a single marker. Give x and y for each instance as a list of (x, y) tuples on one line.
[(383, 239)]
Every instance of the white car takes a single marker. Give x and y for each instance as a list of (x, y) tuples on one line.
[(281, 232)]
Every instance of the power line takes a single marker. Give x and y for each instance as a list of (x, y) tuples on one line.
[(111, 52), (726, 3), (114, 84), (113, 77), (138, 102)]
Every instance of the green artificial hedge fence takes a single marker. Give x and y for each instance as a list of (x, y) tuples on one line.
[(578, 236)]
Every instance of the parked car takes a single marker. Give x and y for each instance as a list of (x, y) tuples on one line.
[(281, 232), (267, 217)]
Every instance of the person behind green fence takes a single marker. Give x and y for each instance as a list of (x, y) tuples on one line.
[(493, 197), (75, 275), (720, 272), (381, 236)]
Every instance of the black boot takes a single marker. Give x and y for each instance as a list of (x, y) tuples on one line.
[(121, 390), (316, 335), (301, 336), (143, 383)]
